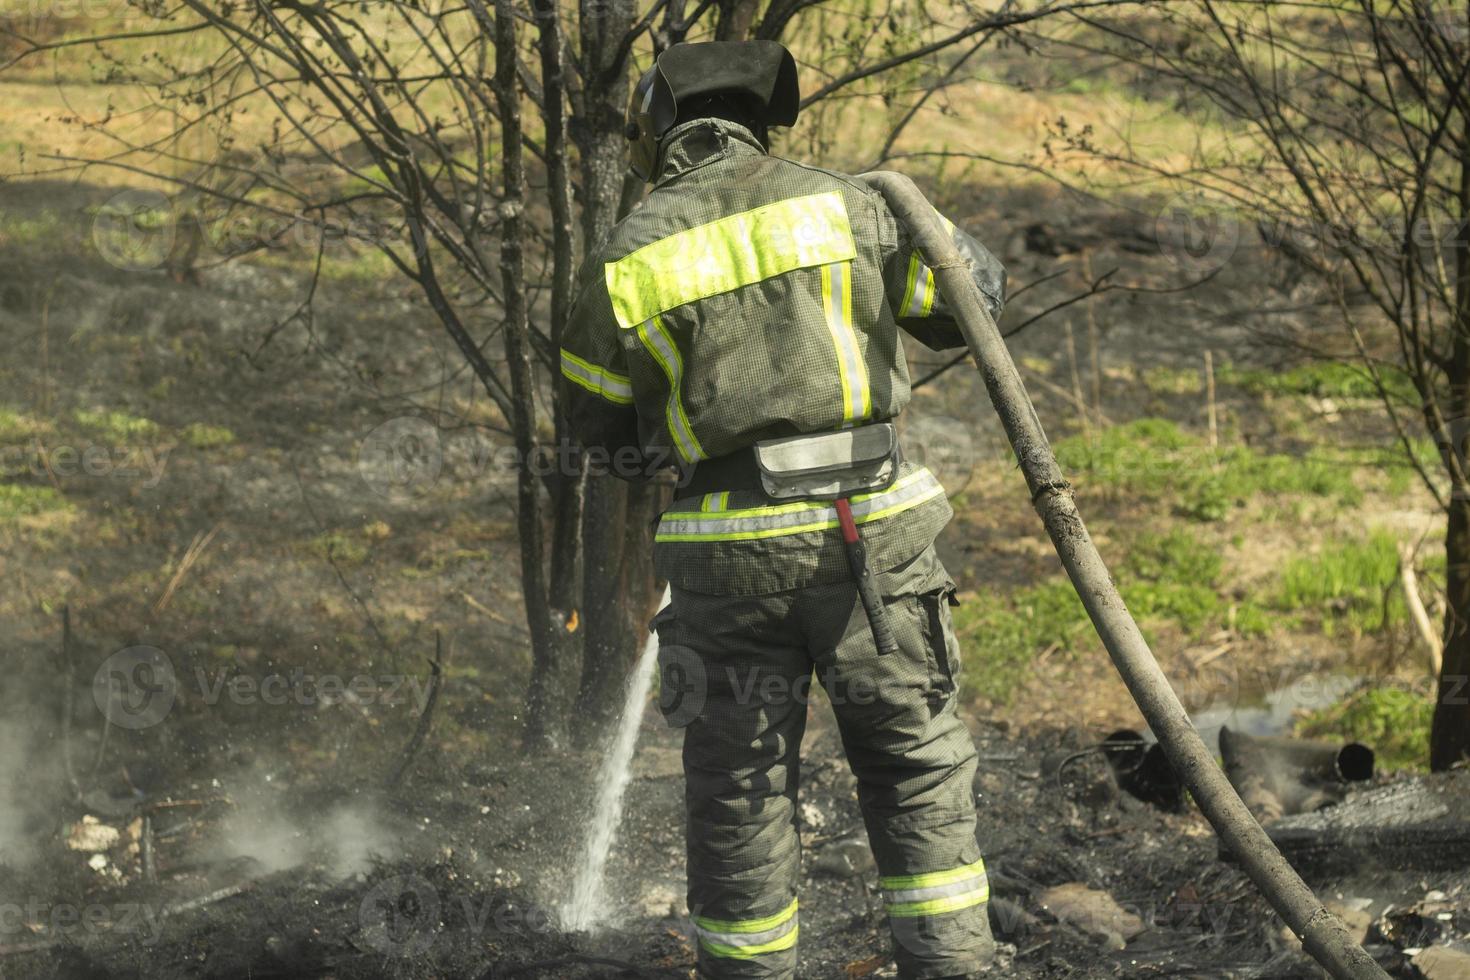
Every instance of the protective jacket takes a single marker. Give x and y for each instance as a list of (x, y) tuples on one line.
[(748, 298)]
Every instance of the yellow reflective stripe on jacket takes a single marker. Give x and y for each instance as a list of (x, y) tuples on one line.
[(857, 400), (747, 938), (666, 352), (600, 381), (919, 292), (715, 501), (775, 520), (723, 255), (936, 892)]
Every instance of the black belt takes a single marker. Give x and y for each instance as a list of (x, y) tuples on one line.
[(733, 471)]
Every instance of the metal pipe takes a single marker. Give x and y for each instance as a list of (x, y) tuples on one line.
[(1322, 933)]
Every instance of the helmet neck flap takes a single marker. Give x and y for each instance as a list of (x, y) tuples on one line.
[(758, 76)]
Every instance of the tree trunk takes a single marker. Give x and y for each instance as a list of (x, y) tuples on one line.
[(566, 480), (542, 720), (617, 586), (735, 20), (607, 645), (1449, 738)]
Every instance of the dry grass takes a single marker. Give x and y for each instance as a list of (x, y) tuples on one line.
[(997, 116)]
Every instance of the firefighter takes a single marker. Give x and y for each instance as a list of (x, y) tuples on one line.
[(742, 326)]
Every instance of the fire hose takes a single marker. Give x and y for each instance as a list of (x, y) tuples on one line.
[(1323, 934)]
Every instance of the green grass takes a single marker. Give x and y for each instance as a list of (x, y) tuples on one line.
[(202, 436), (144, 218), (1173, 381), (19, 500), (16, 426), (1324, 379), (1171, 578), (1156, 458), (340, 547), (115, 425), (1391, 721), (44, 229), (1001, 635), (1352, 585)]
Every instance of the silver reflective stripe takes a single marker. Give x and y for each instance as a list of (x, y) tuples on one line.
[(961, 887), (600, 381), (795, 518), (746, 938), (851, 370), (923, 283), (921, 299)]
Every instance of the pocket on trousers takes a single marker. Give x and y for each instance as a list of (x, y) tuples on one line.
[(941, 646)]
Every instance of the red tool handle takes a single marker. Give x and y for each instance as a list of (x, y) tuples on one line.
[(867, 582), (844, 518)]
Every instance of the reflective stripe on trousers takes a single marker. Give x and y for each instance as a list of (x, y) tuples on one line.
[(936, 893), (746, 938)]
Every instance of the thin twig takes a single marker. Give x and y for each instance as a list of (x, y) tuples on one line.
[(1210, 410), (426, 718), (145, 846), (101, 746), (191, 555), (1420, 616), (68, 699), (190, 905), (1093, 355)]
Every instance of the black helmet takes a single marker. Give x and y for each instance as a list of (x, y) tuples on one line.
[(760, 75)]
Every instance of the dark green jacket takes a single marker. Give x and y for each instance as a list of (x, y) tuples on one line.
[(751, 297)]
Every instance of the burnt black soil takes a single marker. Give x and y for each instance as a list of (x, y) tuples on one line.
[(463, 870)]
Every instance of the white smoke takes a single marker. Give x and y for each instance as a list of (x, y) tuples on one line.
[(15, 849), (345, 840)]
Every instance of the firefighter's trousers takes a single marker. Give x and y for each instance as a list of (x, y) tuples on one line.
[(736, 674)]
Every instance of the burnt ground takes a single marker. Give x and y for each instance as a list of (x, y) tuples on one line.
[(457, 875), (263, 552)]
